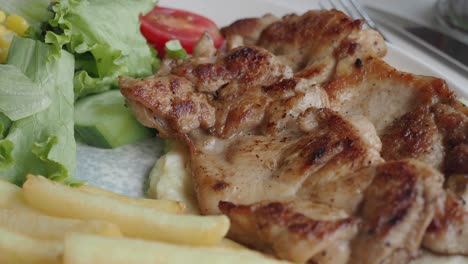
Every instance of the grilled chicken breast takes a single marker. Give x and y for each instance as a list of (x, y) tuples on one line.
[(312, 44), (284, 130), (416, 116), (447, 233), (397, 208), (296, 230)]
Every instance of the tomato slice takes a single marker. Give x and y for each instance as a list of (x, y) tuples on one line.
[(163, 24)]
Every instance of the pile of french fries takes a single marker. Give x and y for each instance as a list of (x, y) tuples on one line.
[(47, 222)]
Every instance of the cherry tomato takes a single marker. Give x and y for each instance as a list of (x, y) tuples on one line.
[(163, 24)]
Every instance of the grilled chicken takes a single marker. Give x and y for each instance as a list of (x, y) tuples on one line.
[(329, 47), (248, 28), (294, 163), (417, 116), (381, 93), (172, 99), (271, 141), (259, 130), (312, 44), (288, 166), (296, 230), (284, 139), (398, 206), (438, 135), (447, 233)]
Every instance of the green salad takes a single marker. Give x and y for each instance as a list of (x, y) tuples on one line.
[(58, 80)]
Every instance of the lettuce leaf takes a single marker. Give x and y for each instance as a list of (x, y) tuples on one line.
[(5, 124), (19, 95), (105, 39), (42, 143)]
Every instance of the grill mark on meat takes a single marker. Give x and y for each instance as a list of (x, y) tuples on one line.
[(211, 72), (453, 212), (305, 227), (175, 85), (301, 29), (436, 134), (246, 63), (401, 196), (279, 88), (183, 108), (347, 49), (397, 208), (311, 71), (279, 214), (409, 136), (447, 233), (457, 160), (317, 155)]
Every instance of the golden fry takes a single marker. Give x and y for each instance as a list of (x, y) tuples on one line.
[(229, 244), (134, 220), (9, 193), (52, 228), (168, 206), (11, 196), (89, 249), (20, 249)]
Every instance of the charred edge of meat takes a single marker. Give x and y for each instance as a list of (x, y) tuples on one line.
[(277, 213)]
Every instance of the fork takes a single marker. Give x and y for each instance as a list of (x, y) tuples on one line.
[(353, 9)]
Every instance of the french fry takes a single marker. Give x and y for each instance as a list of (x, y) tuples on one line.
[(20, 249), (11, 196), (89, 249), (9, 192), (52, 228), (168, 206), (229, 244), (136, 221)]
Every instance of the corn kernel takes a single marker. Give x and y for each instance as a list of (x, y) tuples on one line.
[(3, 55), (17, 24), (6, 38), (2, 16)]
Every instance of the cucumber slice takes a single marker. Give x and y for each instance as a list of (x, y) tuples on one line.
[(103, 121)]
